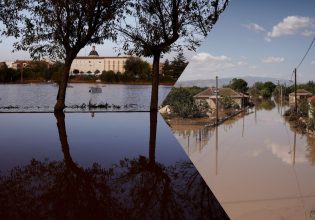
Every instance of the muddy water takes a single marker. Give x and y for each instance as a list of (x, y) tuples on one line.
[(256, 165)]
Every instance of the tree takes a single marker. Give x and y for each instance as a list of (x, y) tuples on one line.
[(239, 85), (182, 103), (226, 102), (60, 29), (166, 68), (157, 25), (135, 67), (8, 74), (176, 67), (108, 76)]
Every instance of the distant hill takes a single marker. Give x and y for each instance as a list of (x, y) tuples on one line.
[(225, 81)]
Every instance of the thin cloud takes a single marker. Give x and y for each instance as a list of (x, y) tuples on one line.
[(308, 33), (255, 27), (201, 57), (293, 25), (207, 66), (273, 60), (313, 62)]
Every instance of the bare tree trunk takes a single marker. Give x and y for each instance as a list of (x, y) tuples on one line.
[(155, 82), (61, 96)]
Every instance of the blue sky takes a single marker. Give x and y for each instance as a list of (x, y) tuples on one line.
[(252, 38), (258, 38)]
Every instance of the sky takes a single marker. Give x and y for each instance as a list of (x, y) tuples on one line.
[(258, 38), (252, 38)]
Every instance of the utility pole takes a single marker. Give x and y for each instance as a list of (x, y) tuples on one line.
[(217, 100), (216, 149), (281, 94), (295, 96)]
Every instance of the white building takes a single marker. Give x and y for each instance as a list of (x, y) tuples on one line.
[(95, 64)]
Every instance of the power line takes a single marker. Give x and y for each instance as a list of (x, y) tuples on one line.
[(309, 48)]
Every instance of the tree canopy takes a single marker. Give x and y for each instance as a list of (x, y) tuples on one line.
[(158, 27), (239, 85), (136, 67), (60, 29), (55, 27), (263, 89), (176, 67)]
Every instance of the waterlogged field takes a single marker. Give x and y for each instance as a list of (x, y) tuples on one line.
[(257, 165)]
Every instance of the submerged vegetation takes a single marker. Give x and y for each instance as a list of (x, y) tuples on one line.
[(182, 103)]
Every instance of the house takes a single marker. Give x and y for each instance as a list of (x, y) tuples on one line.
[(209, 95), (301, 94), (311, 102)]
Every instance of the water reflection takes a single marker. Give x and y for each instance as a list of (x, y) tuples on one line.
[(42, 97), (256, 165), (132, 188)]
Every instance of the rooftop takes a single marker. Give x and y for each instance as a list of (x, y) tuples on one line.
[(222, 91)]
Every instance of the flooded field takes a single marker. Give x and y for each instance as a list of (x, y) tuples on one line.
[(98, 166), (256, 165), (42, 97)]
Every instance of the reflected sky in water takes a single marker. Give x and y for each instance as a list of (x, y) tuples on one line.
[(256, 165), (42, 97), (114, 135), (100, 167)]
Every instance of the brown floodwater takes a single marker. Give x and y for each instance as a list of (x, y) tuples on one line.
[(256, 165)]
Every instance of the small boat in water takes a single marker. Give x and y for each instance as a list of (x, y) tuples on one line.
[(95, 90)]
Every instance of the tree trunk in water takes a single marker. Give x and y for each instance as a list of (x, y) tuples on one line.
[(152, 141), (61, 96), (155, 82)]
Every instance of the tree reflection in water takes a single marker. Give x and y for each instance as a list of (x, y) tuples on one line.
[(265, 104), (138, 188), (311, 149)]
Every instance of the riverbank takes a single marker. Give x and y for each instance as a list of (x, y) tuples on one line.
[(179, 123), (89, 82)]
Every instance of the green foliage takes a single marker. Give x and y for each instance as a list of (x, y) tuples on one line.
[(8, 74), (175, 68), (136, 68), (238, 85), (266, 104), (156, 26), (182, 102), (108, 76), (35, 70), (303, 108), (263, 89), (60, 28), (309, 86), (226, 102)]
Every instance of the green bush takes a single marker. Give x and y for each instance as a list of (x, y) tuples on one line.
[(182, 103)]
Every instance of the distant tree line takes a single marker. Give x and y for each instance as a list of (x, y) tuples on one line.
[(259, 89), (34, 71), (138, 70), (268, 89)]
